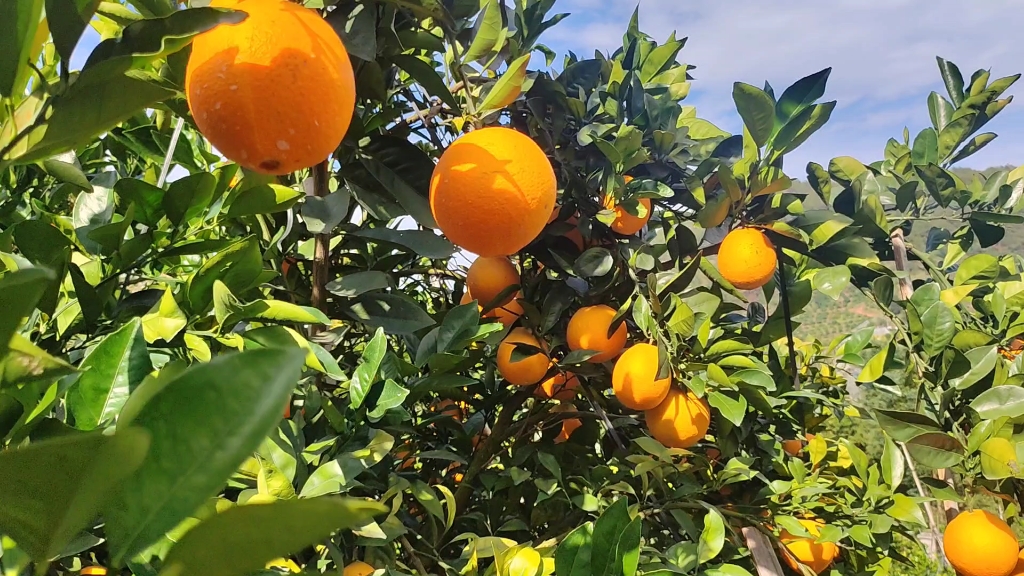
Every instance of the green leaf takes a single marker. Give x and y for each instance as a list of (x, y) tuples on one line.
[(938, 328), (52, 490), (594, 262), (977, 269), (926, 148), (109, 373), (936, 450), (147, 199), (954, 133), (25, 363), (831, 281), (396, 168), (904, 426), (339, 475), (712, 537), (982, 360), (204, 424), (67, 20), (732, 409), (940, 110), (366, 372), (427, 76), (892, 464), (715, 211), (265, 199), (487, 32), (242, 539), (572, 557), (801, 127), (392, 396), (96, 102), (18, 22), (352, 285), (953, 79), (998, 458), (508, 87), (875, 367), (423, 242), (238, 266), (800, 95), (906, 509), (20, 291), (322, 215), (940, 183), (395, 313), (999, 402), (165, 320), (189, 197)]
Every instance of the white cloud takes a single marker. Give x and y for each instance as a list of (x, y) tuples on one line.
[(882, 53)]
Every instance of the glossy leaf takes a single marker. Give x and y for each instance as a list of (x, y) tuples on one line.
[(999, 402), (395, 313), (573, 556), (110, 372), (18, 22), (756, 109), (935, 450), (204, 423), (508, 87), (422, 242), (20, 291)]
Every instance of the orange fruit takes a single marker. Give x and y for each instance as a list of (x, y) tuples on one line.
[(626, 223), (492, 192), (93, 571), (449, 408), (747, 258), (1019, 569), (634, 378), (529, 370), (816, 556), (489, 276), (507, 313), (559, 387), (568, 427), (274, 93), (979, 543), (404, 456), (680, 421), (358, 568), (793, 447), (588, 330)]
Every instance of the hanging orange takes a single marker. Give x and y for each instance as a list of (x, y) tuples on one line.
[(814, 555), (274, 93), (493, 191), (680, 421), (489, 276), (747, 258), (979, 543), (588, 330), (635, 378), (526, 371)]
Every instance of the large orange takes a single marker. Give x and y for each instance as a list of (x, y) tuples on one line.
[(489, 276), (979, 543), (747, 258), (274, 93), (507, 313), (588, 330), (358, 568), (492, 192), (529, 370), (561, 386), (626, 223), (635, 378), (680, 421), (816, 556)]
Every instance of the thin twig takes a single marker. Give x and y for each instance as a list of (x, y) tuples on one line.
[(412, 556), (321, 253), (166, 168), (932, 525)]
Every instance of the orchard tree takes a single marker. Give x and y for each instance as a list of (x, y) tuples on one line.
[(277, 360)]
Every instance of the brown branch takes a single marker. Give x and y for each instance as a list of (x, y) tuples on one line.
[(490, 446), (899, 254), (422, 570), (321, 253)]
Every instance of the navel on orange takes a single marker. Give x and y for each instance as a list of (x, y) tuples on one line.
[(747, 258), (635, 378), (527, 371), (275, 92), (588, 330), (680, 421), (493, 191), (979, 543)]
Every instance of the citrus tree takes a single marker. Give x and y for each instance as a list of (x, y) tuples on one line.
[(240, 332)]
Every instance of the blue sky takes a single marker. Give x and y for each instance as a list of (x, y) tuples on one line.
[(882, 53)]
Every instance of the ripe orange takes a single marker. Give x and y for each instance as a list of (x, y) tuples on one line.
[(816, 556), (358, 568), (275, 92), (680, 421), (493, 191), (93, 571), (559, 387), (626, 223), (979, 543), (569, 426), (1018, 570), (634, 378), (448, 407), (529, 370), (747, 258), (588, 330), (507, 313), (489, 276), (793, 447)]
